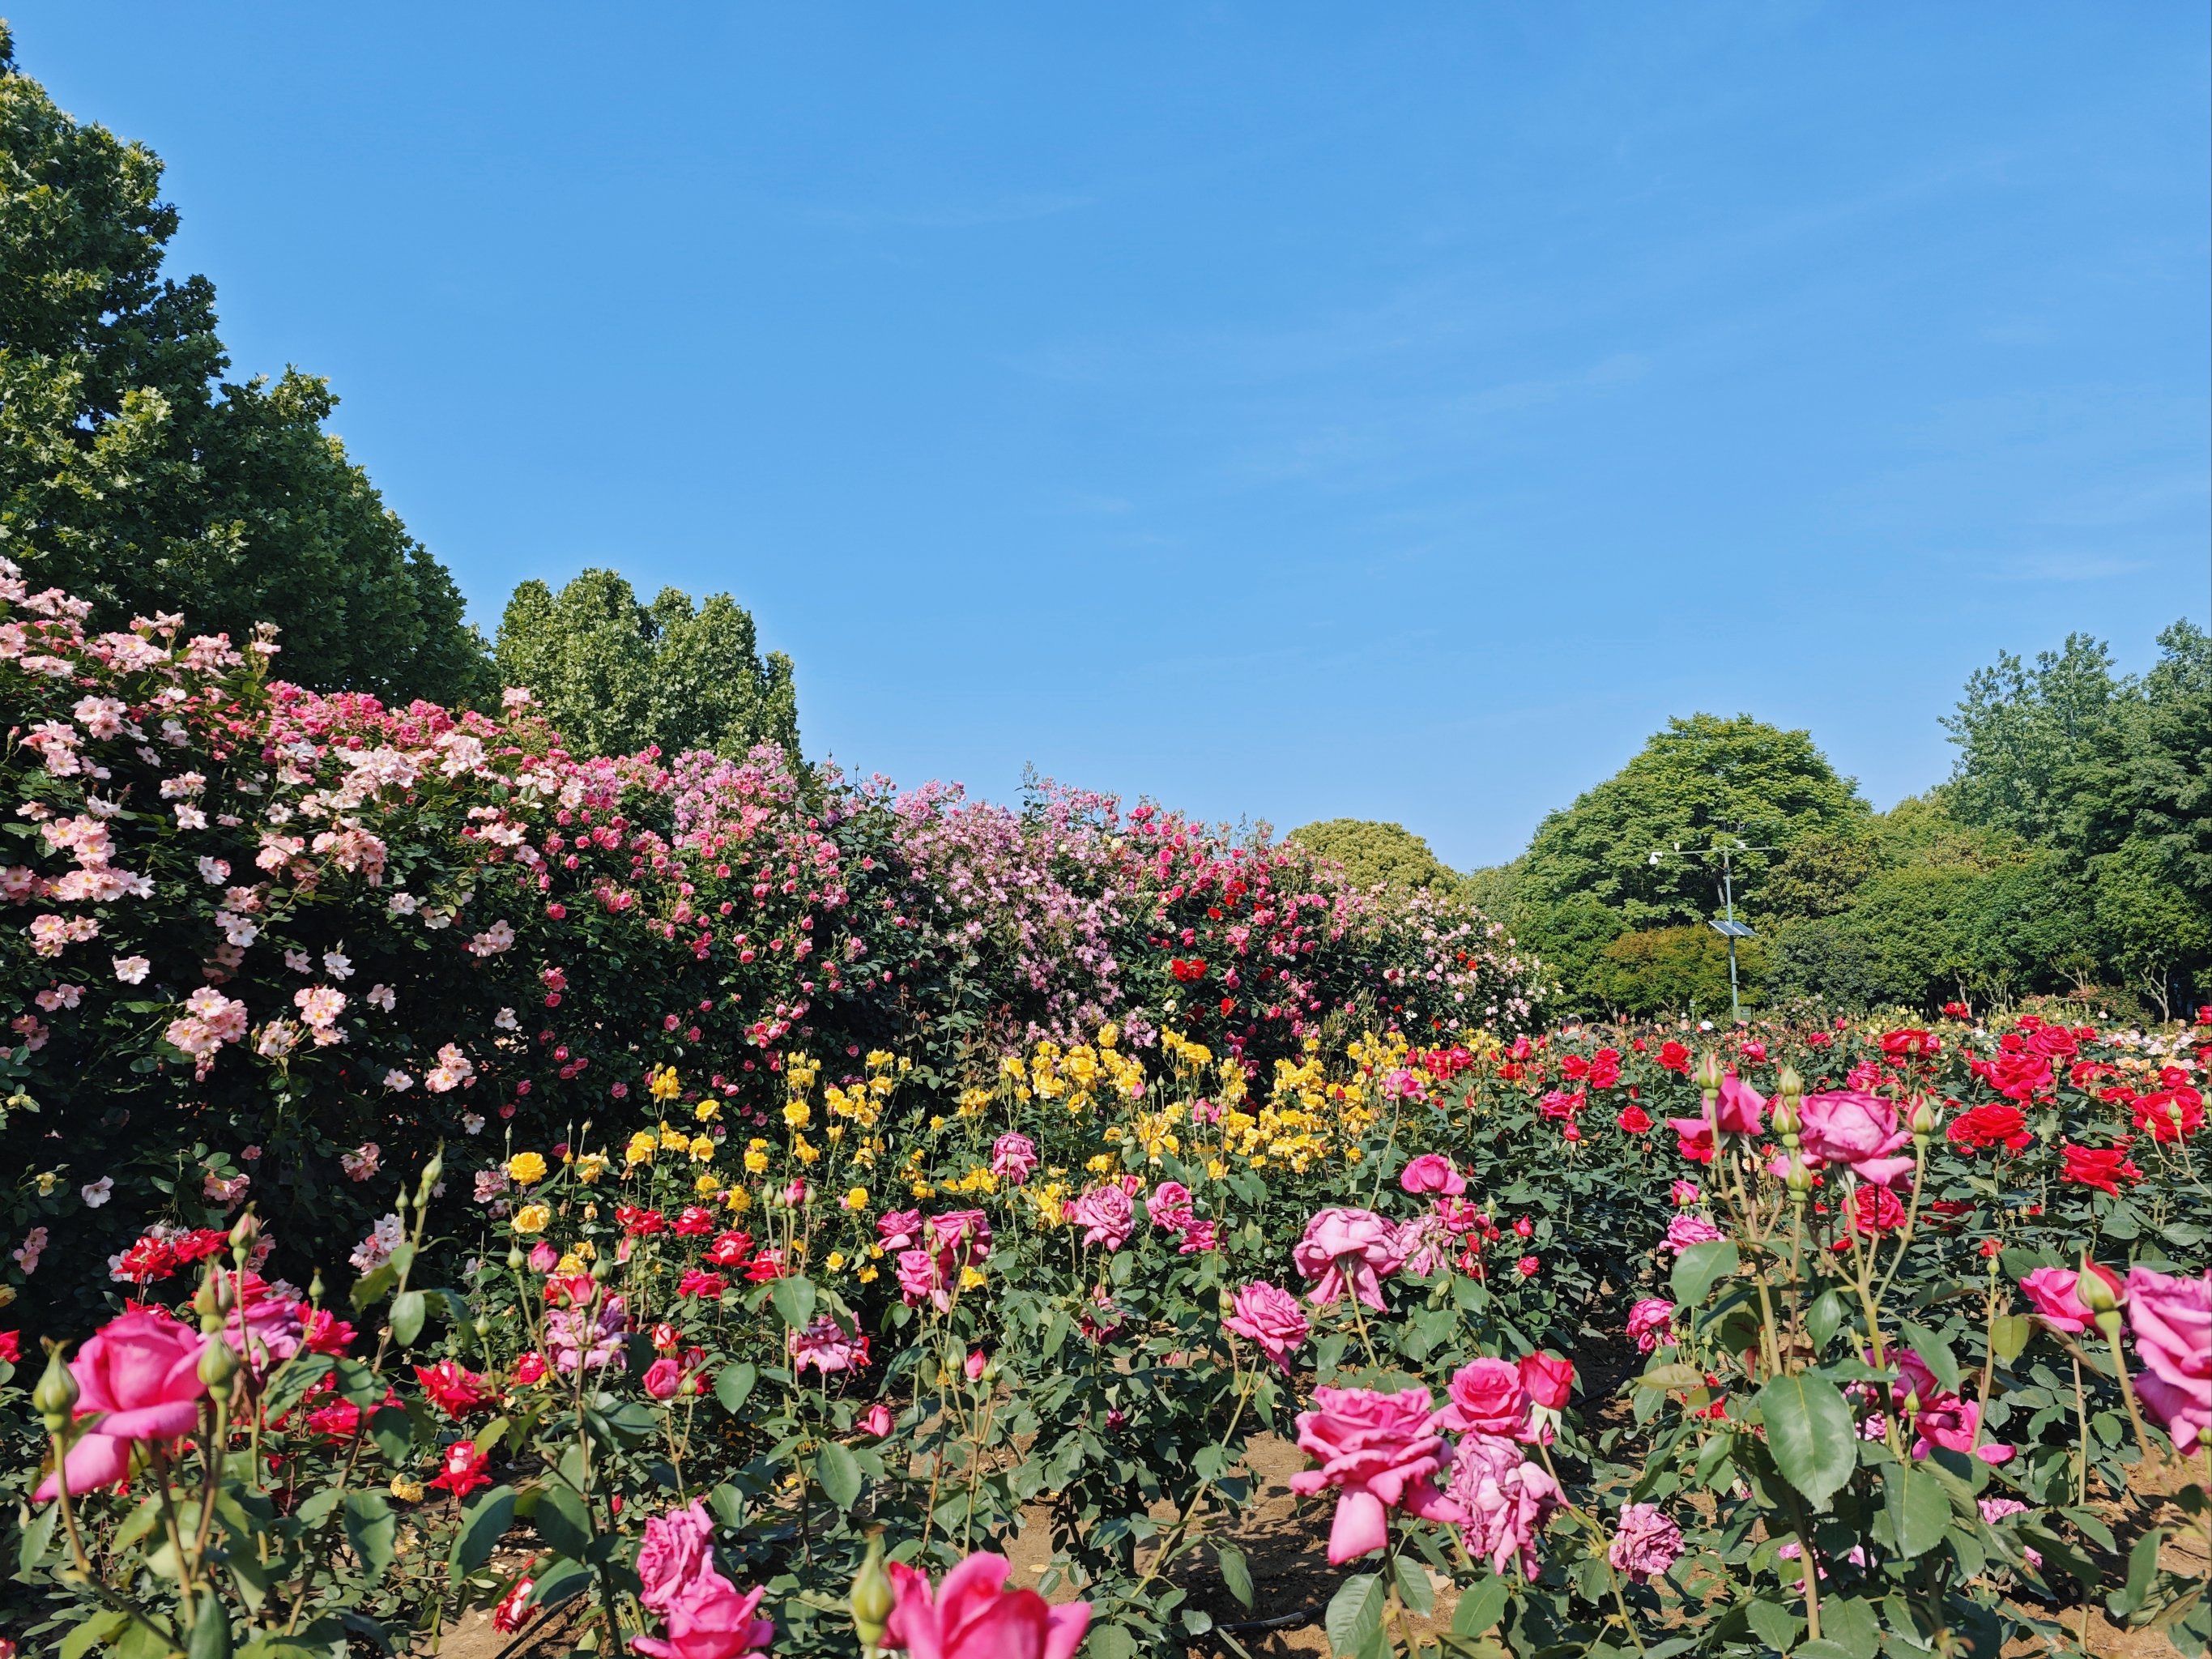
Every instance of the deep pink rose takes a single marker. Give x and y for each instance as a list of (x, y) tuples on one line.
[(1270, 1317), (1432, 1172), (662, 1378), (140, 1371), (1651, 1322), (973, 1615), (961, 1238), (705, 1616), (1740, 1106), (2171, 1317), (2053, 1289), (1645, 1542), (1346, 1249), (1012, 1157), (921, 1281), (1380, 1451), (1549, 1379), (1685, 1228), (1106, 1216), (1168, 1206), (1941, 1418), (825, 1345), (1860, 1130), (898, 1230), (1486, 1396), (876, 1421)]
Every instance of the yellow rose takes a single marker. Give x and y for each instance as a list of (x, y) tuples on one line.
[(673, 1138), (857, 1199), (866, 1275), (971, 1278), (739, 1201), (703, 1148), (756, 1162), (531, 1219), (706, 1185), (406, 1489), (526, 1168), (706, 1111), (590, 1167), (569, 1264), (797, 1113), (836, 1261)]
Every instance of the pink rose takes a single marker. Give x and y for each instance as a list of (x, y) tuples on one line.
[(973, 1615), (705, 1616), (825, 1346), (876, 1421), (1487, 1397), (1645, 1542), (1857, 1129), (662, 1378), (1106, 1215), (1271, 1318), (141, 1370), (1380, 1451), (1651, 1322), (1423, 1245), (1740, 1106), (920, 1280), (1432, 1172), (1549, 1379), (1168, 1206), (1012, 1157), (1504, 1501), (2053, 1289), (1939, 1417), (1683, 1229), (898, 1230), (544, 1258), (2171, 1318), (962, 1238), (1347, 1249)]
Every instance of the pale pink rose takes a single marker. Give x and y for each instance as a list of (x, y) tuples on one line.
[(2171, 1318), (973, 1614), (140, 1371), (705, 1616), (1271, 1318), (1649, 1322), (1504, 1501), (1105, 1214), (2053, 1292), (1487, 1397), (1645, 1542), (1012, 1157), (1685, 1229), (1432, 1172), (1381, 1452), (1346, 1249), (1860, 1130)]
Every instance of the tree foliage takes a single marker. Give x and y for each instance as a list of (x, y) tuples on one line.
[(1378, 855), (132, 475), (615, 676)]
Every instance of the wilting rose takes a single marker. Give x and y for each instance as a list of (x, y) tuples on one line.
[(1432, 1172), (2171, 1318), (1380, 1451), (973, 1615), (140, 1371), (1346, 1249), (1270, 1317), (1012, 1157), (1858, 1130), (1645, 1543), (1505, 1504)]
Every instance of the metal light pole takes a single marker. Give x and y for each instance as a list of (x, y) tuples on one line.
[(1728, 926)]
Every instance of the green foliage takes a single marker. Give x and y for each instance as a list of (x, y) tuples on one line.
[(1377, 854), (1671, 971), (133, 476), (615, 676)]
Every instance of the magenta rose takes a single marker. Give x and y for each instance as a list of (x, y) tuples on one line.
[(2171, 1318), (1860, 1130), (1270, 1317), (1381, 1452), (898, 1230), (1346, 1249), (1168, 1206), (140, 1371), (1012, 1157), (963, 1237), (1740, 1107), (1432, 1172), (1106, 1216), (705, 1616), (1487, 1397), (973, 1614), (2054, 1293), (1650, 1322)]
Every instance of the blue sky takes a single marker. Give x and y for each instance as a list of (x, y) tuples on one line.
[(1283, 411)]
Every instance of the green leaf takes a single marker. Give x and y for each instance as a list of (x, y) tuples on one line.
[(2008, 1335), (38, 1536), (795, 1300), (293, 1383), (1236, 1572), (735, 1384), (482, 1524), (210, 1631), (373, 1285), (1825, 1318), (1933, 1351), (1355, 1612), (1670, 1379), (1919, 1511), (562, 1522), (1811, 1434), (1413, 1586), (1776, 1626), (372, 1529), (1697, 1268), (2142, 1568), (1110, 1642), (728, 1505), (1481, 1607), (393, 1431), (1850, 1624), (561, 1582), (839, 1474), (94, 1631), (407, 1310)]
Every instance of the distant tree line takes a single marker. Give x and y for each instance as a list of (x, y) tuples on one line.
[(2068, 854)]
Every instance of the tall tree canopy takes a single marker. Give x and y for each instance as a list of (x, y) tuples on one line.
[(132, 475), (1702, 782), (615, 676), (1377, 854)]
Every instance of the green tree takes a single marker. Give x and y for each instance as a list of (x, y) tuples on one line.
[(1662, 970), (1702, 782), (1378, 855), (134, 477), (615, 676), (2023, 734)]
